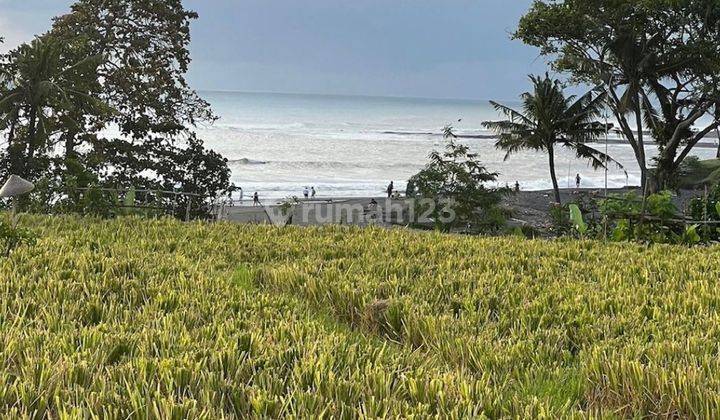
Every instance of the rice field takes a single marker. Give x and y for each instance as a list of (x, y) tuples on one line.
[(159, 319)]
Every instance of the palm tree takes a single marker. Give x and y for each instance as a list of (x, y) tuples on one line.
[(42, 88), (550, 119)]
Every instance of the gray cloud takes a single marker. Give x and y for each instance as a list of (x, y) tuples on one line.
[(430, 48)]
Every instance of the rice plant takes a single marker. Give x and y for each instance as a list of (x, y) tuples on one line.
[(132, 318)]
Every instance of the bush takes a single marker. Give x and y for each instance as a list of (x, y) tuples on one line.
[(628, 223), (12, 236), (707, 209), (451, 190)]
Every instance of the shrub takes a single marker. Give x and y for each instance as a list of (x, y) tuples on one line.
[(707, 209), (12, 236), (625, 215), (454, 191)]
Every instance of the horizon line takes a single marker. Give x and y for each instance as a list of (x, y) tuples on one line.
[(349, 95)]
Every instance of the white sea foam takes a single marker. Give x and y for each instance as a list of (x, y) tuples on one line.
[(345, 146)]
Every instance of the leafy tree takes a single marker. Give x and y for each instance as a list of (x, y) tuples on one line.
[(146, 48), (454, 181), (548, 120), (146, 45), (43, 89), (134, 57), (658, 60)]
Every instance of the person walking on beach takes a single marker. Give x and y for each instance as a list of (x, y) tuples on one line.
[(306, 193), (256, 199), (390, 189), (313, 192), (577, 181)]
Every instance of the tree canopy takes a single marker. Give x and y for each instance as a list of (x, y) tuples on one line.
[(550, 119), (453, 184), (101, 99), (659, 61)]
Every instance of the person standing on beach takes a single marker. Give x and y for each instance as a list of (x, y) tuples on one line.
[(241, 194), (306, 193), (256, 199), (313, 192), (390, 189), (577, 181)]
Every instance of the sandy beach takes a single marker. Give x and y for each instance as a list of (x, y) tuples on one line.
[(527, 208)]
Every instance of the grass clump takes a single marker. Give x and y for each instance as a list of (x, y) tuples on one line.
[(158, 319)]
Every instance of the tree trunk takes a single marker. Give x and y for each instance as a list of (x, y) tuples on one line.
[(13, 149), (637, 143), (32, 130), (69, 146), (641, 144), (664, 172), (13, 124), (556, 188)]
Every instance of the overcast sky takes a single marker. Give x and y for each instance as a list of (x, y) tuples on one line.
[(420, 48)]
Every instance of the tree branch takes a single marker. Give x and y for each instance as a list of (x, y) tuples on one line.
[(699, 136), (676, 137)]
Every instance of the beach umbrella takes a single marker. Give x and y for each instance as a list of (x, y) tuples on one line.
[(16, 186)]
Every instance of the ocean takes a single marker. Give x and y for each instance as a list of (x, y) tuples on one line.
[(350, 146)]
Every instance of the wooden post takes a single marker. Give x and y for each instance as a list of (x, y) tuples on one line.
[(644, 204), (705, 213), (187, 210), (14, 212)]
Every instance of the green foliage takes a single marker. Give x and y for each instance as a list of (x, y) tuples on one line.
[(657, 60), (96, 202), (691, 235), (128, 318), (44, 91), (661, 205), (623, 231), (559, 216), (707, 209), (451, 189), (129, 199), (13, 236), (577, 219), (61, 92), (657, 205), (550, 120), (624, 215), (695, 173), (563, 223)]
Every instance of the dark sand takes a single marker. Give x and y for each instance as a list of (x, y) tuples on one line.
[(527, 208)]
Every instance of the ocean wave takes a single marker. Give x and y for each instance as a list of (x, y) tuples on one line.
[(246, 161), (297, 164), (430, 133), (259, 127)]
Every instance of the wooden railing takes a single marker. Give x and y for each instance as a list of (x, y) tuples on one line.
[(188, 208)]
